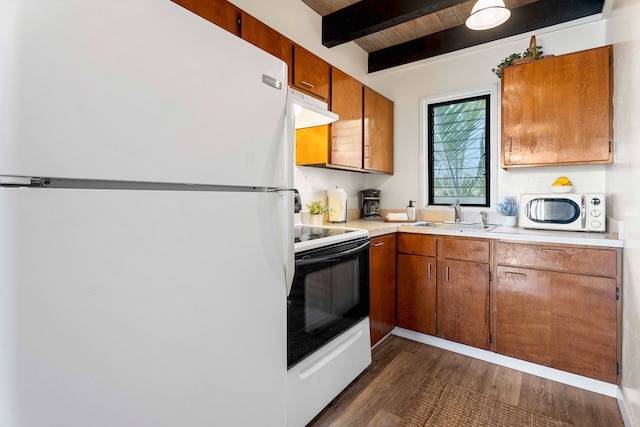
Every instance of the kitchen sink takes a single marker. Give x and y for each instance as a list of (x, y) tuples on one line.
[(456, 226)]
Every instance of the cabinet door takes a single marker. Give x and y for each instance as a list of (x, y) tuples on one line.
[(565, 321), (382, 284), (417, 293), (464, 302), (378, 132), (310, 73), (220, 12), (346, 133), (558, 110), (266, 38)]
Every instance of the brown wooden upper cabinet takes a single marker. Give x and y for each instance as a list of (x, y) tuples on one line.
[(220, 12), (361, 140), (310, 73), (378, 132), (266, 38), (558, 110), (346, 133)]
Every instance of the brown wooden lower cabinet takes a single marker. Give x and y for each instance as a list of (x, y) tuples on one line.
[(382, 285), (416, 293), (561, 319), (551, 304), (463, 305), (565, 321)]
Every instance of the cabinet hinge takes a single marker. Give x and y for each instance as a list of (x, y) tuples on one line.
[(617, 293), (490, 276), (490, 338), (239, 21), (617, 368), (610, 146)]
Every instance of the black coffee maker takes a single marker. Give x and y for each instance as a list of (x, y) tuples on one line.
[(370, 204)]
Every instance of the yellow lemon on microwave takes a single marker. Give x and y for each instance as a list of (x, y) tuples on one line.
[(563, 180)]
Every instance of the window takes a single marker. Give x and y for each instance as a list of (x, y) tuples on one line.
[(457, 159)]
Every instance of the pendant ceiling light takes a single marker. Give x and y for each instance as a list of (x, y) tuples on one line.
[(488, 14)]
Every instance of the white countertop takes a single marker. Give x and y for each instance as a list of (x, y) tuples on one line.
[(610, 239)]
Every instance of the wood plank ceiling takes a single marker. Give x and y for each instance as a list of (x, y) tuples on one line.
[(396, 32)]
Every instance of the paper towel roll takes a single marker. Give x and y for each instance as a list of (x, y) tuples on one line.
[(397, 217), (338, 205)]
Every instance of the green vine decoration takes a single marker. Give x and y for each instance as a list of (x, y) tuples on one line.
[(534, 53)]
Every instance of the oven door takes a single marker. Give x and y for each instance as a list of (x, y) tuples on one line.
[(330, 293)]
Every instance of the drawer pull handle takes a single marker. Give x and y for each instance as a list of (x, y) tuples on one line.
[(513, 273), (447, 274), (378, 244), (307, 84), (429, 271), (558, 251)]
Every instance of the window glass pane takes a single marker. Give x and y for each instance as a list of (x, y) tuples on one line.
[(458, 147)]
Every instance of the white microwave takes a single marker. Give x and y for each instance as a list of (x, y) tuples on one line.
[(566, 211)]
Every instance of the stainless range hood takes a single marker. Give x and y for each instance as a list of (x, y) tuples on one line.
[(310, 111)]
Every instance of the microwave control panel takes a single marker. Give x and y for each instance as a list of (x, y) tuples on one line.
[(596, 214)]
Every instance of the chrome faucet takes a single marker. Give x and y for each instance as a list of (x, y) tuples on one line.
[(457, 211), (483, 214)]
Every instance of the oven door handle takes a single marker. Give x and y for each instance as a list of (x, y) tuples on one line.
[(333, 257)]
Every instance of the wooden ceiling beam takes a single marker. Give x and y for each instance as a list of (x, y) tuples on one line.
[(530, 17), (370, 16)]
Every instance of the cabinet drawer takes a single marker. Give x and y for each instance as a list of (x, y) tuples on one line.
[(417, 244), (601, 262), (466, 249)]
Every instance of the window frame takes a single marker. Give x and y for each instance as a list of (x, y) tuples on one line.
[(494, 120), (487, 152)]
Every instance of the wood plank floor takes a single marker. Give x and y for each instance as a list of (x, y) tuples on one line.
[(383, 394)]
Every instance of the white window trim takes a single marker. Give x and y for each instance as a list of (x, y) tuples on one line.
[(494, 122)]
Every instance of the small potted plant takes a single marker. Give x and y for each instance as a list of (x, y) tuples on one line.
[(318, 210), (508, 208)]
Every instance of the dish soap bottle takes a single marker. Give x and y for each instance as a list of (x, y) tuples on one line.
[(411, 211)]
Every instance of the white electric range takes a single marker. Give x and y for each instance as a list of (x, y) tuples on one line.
[(328, 341)]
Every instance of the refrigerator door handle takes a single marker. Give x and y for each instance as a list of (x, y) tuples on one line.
[(289, 242), (288, 236), (23, 181)]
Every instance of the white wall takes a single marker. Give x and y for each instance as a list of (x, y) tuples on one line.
[(623, 32)]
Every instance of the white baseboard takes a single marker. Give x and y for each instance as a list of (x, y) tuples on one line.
[(623, 409), (601, 387)]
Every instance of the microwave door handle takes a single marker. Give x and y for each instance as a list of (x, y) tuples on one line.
[(329, 258), (583, 212)]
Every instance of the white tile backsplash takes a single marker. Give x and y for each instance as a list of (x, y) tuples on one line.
[(313, 183)]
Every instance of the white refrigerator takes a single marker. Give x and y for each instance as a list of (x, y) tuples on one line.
[(145, 238)]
